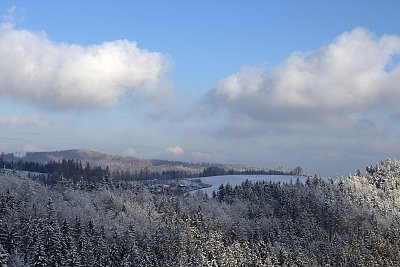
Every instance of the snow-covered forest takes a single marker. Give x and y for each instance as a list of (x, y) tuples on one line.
[(77, 163), (351, 221)]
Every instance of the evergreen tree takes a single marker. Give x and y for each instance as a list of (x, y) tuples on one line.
[(88, 251), (9, 237), (40, 257), (4, 257), (101, 251), (52, 237), (67, 245)]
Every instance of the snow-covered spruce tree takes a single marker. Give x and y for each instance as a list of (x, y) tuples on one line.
[(52, 237), (4, 257), (9, 237), (41, 259), (384, 175)]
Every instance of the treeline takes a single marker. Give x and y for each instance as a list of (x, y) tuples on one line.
[(76, 171), (352, 221), (146, 173), (217, 170), (55, 171)]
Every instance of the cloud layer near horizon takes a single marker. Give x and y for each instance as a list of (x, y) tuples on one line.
[(174, 150), (342, 83), (60, 75), (29, 120)]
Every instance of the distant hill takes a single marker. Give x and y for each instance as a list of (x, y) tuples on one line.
[(85, 155), (114, 162), (133, 165)]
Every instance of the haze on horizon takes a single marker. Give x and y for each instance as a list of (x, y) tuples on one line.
[(264, 83)]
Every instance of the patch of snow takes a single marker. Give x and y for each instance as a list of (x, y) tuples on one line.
[(233, 180)]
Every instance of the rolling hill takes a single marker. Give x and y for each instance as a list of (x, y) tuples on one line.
[(133, 164)]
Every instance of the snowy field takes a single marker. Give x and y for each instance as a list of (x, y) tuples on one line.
[(216, 181)]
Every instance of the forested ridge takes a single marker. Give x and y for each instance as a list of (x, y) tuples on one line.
[(75, 171), (351, 221)]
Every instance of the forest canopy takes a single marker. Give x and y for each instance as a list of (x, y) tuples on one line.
[(352, 221)]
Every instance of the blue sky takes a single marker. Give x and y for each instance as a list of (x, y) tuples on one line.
[(266, 83)]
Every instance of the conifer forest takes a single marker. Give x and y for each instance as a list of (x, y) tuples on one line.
[(351, 221)]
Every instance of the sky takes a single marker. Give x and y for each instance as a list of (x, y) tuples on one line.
[(314, 84)]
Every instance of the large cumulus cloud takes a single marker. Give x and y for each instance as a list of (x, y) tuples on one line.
[(60, 75), (346, 82)]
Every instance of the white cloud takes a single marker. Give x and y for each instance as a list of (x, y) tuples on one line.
[(130, 151), (31, 148), (3, 146), (60, 75), (175, 150), (28, 120), (343, 82), (207, 156), (9, 16)]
